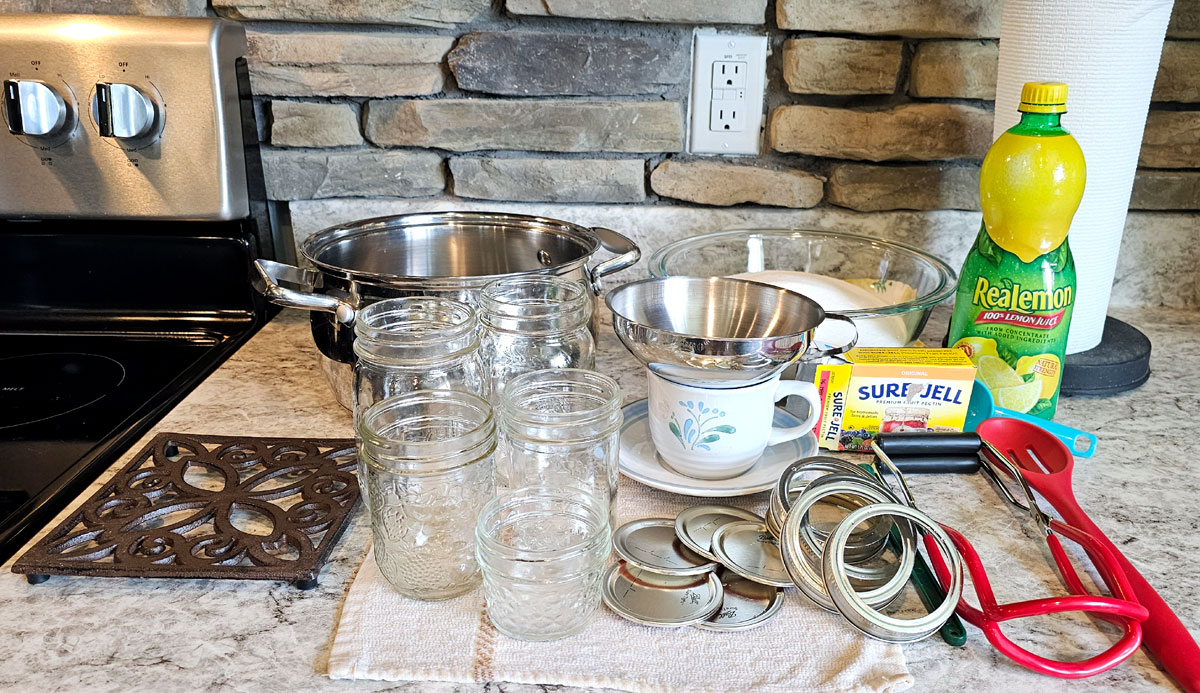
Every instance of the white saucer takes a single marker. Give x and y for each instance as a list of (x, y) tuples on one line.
[(640, 461)]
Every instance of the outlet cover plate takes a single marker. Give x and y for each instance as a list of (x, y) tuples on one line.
[(728, 80)]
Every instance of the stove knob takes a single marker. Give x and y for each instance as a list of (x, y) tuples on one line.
[(32, 108), (122, 111)]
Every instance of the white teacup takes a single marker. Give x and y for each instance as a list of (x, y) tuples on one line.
[(710, 433)]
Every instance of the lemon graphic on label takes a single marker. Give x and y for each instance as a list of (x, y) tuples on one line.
[(1046, 370), (997, 374), (977, 347), (1020, 398)]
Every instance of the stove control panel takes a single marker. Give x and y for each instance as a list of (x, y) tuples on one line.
[(121, 117)]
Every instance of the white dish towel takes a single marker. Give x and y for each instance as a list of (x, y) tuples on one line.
[(384, 636)]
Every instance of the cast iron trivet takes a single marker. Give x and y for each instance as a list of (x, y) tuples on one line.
[(209, 507)]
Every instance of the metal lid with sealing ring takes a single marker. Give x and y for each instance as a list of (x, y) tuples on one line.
[(696, 525), (666, 601), (651, 544), (747, 604), (749, 550)]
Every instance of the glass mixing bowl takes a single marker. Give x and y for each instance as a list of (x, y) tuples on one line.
[(906, 281)]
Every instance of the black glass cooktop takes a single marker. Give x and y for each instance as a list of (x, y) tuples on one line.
[(68, 400), (105, 325), (105, 328)]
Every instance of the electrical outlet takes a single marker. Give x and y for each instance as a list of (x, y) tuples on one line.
[(727, 116), (728, 79), (728, 75)]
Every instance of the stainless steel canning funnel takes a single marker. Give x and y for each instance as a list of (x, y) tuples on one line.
[(716, 332)]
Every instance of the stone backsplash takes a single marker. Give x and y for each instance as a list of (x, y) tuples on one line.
[(878, 113)]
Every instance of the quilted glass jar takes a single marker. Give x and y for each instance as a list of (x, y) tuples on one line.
[(531, 323), (542, 550), (415, 343), (561, 427), (427, 461)]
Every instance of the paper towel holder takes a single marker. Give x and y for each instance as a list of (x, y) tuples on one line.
[(1120, 362), (1108, 52)]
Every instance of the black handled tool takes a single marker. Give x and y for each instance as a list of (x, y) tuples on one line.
[(905, 444), (932, 453), (936, 464)]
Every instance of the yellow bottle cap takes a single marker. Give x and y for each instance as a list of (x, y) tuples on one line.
[(1043, 97)]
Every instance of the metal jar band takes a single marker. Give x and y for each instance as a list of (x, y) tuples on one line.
[(807, 576), (864, 544), (862, 614)]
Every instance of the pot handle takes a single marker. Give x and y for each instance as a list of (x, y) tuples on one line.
[(267, 282), (626, 250), (815, 353)]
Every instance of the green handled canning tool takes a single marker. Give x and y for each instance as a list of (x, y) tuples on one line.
[(931, 593), (927, 585)]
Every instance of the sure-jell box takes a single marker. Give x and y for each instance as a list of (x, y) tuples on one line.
[(886, 390)]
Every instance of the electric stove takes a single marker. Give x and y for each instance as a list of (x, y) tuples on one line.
[(131, 210)]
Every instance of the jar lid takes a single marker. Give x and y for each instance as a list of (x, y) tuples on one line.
[(805, 567), (746, 604), (750, 550), (651, 544), (696, 525), (653, 599)]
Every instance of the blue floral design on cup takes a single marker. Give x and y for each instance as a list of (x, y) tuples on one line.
[(695, 432)]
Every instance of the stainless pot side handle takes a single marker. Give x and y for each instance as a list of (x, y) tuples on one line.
[(271, 273), (627, 254)]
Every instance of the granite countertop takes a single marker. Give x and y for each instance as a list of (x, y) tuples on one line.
[(121, 634)]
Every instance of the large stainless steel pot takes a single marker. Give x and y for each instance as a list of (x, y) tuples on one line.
[(450, 254)]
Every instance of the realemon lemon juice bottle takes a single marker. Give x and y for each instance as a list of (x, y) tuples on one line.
[(1017, 288)]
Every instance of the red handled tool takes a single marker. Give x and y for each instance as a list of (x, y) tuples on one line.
[(1119, 609), (1046, 464)]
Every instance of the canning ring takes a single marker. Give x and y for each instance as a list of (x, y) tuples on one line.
[(864, 545), (782, 499), (859, 550), (859, 611), (807, 577)]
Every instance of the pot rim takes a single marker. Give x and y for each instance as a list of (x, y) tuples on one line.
[(317, 243)]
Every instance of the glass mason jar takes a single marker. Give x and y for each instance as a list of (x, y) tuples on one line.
[(531, 323), (542, 551), (428, 468), (561, 427), (415, 343)]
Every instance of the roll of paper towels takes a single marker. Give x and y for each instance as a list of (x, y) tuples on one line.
[(1107, 52)]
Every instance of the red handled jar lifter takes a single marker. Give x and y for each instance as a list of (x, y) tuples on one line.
[(1120, 609), (1046, 465)]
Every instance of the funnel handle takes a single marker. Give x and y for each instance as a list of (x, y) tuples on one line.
[(816, 353)]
